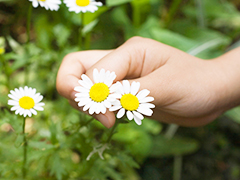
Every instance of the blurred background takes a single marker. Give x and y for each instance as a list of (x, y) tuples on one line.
[(59, 137)]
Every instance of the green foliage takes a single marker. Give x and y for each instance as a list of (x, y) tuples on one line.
[(60, 138)]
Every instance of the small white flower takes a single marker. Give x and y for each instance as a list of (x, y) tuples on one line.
[(82, 5), (134, 103), (96, 96), (25, 101), (53, 5)]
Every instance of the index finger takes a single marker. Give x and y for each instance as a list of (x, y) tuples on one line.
[(72, 67)]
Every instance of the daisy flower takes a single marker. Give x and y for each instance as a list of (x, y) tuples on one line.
[(96, 96), (25, 101), (135, 104), (82, 5), (53, 5)]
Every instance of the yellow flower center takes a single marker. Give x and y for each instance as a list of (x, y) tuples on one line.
[(26, 102), (42, 0), (82, 2), (99, 92), (129, 102)]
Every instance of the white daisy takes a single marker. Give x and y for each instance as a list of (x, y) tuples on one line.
[(134, 104), (82, 5), (53, 5), (25, 101), (96, 96)]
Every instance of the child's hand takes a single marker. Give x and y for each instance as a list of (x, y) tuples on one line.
[(188, 91)]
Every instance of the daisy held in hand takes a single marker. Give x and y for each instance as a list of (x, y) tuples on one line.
[(134, 104), (25, 101), (53, 5), (96, 97), (82, 5)]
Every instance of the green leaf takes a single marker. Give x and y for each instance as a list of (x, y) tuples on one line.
[(57, 167), (172, 147), (19, 140), (89, 17), (234, 114), (89, 27), (116, 2)]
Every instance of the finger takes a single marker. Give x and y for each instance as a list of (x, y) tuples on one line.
[(72, 67), (135, 58)]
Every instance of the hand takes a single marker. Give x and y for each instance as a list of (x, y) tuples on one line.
[(188, 91)]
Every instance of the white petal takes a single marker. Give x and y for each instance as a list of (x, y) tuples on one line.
[(142, 94), (13, 97), (107, 104), (115, 87), (87, 106), (39, 108), (98, 108), (95, 76), (102, 109), (40, 104), (85, 84), (81, 95), (114, 108), (129, 115), (137, 120), (92, 108), (120, 113), (15, 108), (135, 87), (38, 99), (86, 79), (15, 94), (33, 111), (13, 103), (138, 115), (81, 89), (101, 75), (145, 111), (146, 99), (147, 105), (84, 101), (126, 86), (35, 4)]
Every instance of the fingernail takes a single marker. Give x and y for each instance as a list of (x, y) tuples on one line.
[(103, 119)]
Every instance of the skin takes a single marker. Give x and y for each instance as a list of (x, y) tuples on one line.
[(188, 91)]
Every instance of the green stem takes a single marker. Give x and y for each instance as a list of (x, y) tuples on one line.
[(177, 167), (86, 123), (25, 144), (28, 41), (80, 32), (88, 41), (172, 11), (6, 71), (171, 131), (136, 15), (112, 132), (29, 22), (200, 13)]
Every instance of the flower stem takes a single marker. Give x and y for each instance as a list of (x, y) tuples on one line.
[(80, 32), (171, 131), (177, 167), (112, 132), (6, 70), (28, 41), (29, 22), (25, 144)]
